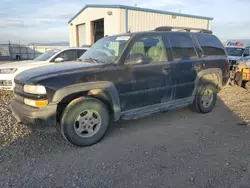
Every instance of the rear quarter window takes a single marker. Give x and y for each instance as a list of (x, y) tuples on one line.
[(210, 45)]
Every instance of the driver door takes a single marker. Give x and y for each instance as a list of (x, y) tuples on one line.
[(144, 84)]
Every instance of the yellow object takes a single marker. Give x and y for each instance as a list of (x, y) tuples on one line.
[(246, 74), (36, 103)]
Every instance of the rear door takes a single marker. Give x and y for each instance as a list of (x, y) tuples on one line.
[(185, 64)]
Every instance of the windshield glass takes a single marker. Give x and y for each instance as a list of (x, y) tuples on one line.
[(235, 51), (46, 55), (106, 50)]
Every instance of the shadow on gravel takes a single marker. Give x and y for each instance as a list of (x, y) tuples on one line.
[(205, 150)]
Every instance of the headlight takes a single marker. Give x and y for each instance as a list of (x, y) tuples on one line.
[(8, 71), (34, 89)]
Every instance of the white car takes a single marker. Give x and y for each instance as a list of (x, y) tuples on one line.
[(8, 71)]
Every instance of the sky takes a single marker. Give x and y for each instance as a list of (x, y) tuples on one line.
[(28, 21)]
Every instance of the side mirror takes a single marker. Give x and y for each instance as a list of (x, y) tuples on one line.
[(59, 60), (245, 55), (137, 58)]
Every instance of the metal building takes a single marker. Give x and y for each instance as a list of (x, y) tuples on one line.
[(96, 21)]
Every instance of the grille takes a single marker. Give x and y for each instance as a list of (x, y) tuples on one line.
[(5, 83)]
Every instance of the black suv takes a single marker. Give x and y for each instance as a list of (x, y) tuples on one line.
[(126, 77)]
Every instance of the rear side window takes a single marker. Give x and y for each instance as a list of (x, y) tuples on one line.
[(210, 45), (182, 47)]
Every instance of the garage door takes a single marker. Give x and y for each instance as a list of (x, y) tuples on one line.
[(82, 34)]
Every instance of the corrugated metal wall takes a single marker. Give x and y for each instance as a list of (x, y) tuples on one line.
[(123, 19), (143, 21), (111, 23)]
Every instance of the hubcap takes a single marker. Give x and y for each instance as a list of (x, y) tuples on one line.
[(87, 123), (207, 98)]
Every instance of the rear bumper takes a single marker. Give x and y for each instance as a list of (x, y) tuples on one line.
[(43, 119)]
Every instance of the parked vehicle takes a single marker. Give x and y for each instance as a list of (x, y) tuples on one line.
[(240, 74), (126, 77), (9, 70), (238, 50)]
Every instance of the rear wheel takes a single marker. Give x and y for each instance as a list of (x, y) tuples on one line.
[(205, 99), (85, 123)]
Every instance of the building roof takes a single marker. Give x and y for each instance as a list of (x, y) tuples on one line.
[(138, 9)]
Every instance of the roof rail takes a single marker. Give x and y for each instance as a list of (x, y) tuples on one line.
[(170, 28)]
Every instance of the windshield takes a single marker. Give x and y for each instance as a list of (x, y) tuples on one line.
[(46, 55), (235, 51), (106, 50)]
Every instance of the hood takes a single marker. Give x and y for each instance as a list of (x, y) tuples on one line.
[(21, 64), (235, 58), (54, 70)]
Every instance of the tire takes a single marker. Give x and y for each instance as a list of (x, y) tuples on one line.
[(198, 104), (247, 85), (75, 121)]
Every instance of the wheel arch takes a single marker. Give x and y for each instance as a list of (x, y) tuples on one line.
[(104, 91), (212, 75)]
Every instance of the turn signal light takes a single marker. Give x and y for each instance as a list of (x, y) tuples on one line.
[(36, 103)]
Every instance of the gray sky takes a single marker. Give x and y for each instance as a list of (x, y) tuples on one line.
[(46, 21)]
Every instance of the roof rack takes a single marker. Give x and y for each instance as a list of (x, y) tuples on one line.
[(170, 28)]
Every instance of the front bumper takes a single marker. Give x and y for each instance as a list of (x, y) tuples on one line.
[(43, 119)]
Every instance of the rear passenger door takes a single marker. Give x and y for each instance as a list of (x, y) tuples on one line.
[(185, 64)]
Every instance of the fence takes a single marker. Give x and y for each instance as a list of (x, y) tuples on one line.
[(10, 51)]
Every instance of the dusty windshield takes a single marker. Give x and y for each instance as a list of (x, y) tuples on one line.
[(46, 55), (235, 51), (106, 50)]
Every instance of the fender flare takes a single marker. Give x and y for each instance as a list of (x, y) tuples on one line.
[(203, 73), (109, 87)]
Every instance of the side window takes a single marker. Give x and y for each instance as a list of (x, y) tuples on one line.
[(68, 55), (80, 53), (182, 47), (210, 44), (150, 48), (246, 53)]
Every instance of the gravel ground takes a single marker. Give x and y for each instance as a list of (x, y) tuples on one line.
[(174, 149)]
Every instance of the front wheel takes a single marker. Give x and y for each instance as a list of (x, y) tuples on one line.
[(85, 123), (205, 99)]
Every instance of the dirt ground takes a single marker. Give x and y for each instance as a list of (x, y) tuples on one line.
[(173, 149)]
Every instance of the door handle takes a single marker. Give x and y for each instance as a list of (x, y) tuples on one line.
[(166, 70)]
